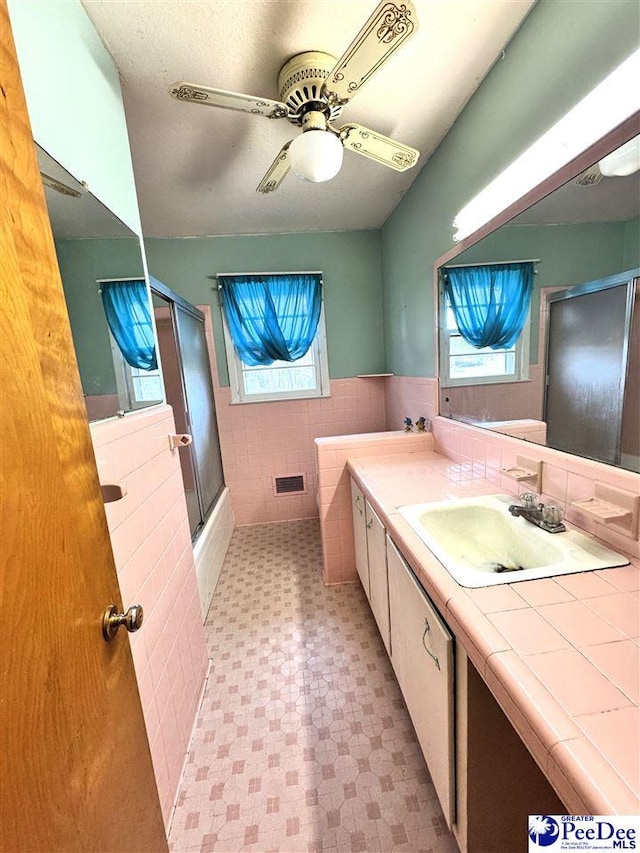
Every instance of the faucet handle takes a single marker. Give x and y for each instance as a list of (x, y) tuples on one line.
[(552, 514), (529, 500)]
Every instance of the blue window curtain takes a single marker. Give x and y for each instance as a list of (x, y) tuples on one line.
[(490, 301), (126, 305), (271, 317)]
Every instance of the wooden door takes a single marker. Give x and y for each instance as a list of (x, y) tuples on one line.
[(76, 768)]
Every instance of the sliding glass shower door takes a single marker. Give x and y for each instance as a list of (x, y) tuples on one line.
[(201, 410), (588, 350), (186, 371)]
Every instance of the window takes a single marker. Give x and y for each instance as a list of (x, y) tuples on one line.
[(463, 364), (307, 376), (137, 388), (133, 344)]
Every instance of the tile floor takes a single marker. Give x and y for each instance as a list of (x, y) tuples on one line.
[(302, 742)]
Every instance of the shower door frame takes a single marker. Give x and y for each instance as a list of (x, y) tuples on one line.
[(176, 302)]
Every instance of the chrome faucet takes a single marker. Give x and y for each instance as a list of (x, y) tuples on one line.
[(545, 516)]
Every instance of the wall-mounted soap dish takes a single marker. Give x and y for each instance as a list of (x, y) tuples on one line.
[(613, 507), (525, 471)]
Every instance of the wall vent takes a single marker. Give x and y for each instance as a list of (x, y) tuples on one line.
[(290, 484)]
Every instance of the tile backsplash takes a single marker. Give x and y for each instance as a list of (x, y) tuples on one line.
[(566, 479)]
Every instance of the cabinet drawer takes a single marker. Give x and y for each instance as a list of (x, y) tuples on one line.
[(422, 647)]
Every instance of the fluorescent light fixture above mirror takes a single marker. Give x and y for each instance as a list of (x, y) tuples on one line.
[(613, 101)]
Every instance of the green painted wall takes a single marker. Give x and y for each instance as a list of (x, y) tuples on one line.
[(569, 254), (563, 49), (351, 267), (82, 262), (74, 99), (631, 244)]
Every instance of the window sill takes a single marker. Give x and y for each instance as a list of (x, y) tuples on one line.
[(470, 383), (279, 399)]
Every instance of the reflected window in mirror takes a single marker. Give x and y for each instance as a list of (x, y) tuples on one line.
[(485, 311), (584, 229), (93, 245)]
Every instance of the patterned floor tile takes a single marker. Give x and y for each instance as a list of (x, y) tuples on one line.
[(302, 742)]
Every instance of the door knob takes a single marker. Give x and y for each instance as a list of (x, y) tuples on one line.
[(112, 620)]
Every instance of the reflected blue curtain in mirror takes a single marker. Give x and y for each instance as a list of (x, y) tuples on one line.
[(126, 304), (490, 301), (271, 317)]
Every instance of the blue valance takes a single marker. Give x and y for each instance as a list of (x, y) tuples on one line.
[(271, 317), (490, 301), (126, 304)]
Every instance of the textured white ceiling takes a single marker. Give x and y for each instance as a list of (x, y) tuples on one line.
[(197, 167)]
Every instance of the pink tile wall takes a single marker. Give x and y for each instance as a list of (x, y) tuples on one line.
[(499, 402), (566, 478), (154, 559), (334, 492), (260, 441), (409, 397), (101, 406)]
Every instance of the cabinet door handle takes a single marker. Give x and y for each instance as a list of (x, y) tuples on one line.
[(359, 508), (433, 657), (369, 523)]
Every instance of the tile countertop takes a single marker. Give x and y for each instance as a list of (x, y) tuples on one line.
[(560, 655)]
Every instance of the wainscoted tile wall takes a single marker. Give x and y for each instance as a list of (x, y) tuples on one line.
[(409, 397), (499, 402), (566, 478), (334, 492), (260, 441), (154, 559)]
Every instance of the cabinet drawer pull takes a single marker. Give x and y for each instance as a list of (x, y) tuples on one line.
[(427, 628)]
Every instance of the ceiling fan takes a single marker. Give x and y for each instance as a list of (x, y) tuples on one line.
[(313, 88)]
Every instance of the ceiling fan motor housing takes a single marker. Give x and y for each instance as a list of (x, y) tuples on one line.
[(300, 84)]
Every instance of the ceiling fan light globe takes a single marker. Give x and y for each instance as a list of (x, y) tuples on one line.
[(315, 156)]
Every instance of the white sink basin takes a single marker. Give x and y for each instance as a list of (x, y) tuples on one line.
[(481, 544)]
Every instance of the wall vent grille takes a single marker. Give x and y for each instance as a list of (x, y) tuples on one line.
[(289, 484)]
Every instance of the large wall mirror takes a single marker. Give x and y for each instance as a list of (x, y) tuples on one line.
[(95, 248), (572, 379)]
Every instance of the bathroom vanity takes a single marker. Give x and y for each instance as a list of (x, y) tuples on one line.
[(512, 708)]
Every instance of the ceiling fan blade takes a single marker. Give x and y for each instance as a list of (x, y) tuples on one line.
[(229, 100), (377, 147), (276, 173), (387, 29)]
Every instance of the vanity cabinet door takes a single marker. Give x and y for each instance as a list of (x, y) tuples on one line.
[(378, 583), (423, 662), (360, 536)]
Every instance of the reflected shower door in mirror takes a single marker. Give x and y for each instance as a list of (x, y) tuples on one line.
[(97, 252), (187, 380), (584, 231)]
